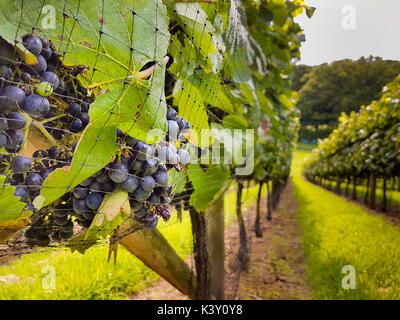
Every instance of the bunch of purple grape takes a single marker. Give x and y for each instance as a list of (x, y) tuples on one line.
[(140, 169), (40, 91)]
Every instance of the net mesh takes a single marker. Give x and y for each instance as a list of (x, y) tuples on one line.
[(122, 64)]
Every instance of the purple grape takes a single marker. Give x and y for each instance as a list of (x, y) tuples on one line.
[(108, 186), (22, 193), (45, 42), (84, 117), (80, 193), (140, 194), (46, 172), (171, 114), (37, 105), (154, 198), (34, 180), (76, 125), (32, 43), (51, 78), (180, 123), (21, 164), (94, 200), (79, 206), (15, 138), (74, 109), (53, 152), (136, 165), (103, 178), (11, 98), (148, 183), (46, 53), (95, 187), (118, 172), (26, 77), (164, 213), (143, 150), (41, 64), (141, 212), (173, 130), (150, 166), (15, 120), (130, 184), (161, 177), (135, 205), (151, 221), (184, 157)]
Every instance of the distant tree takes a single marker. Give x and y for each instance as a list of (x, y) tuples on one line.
[(328, 90), (298, 73)]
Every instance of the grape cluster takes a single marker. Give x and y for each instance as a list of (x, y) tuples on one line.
[(139, 169), (46, 90)]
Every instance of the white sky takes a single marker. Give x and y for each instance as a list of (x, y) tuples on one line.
[(377, 31)]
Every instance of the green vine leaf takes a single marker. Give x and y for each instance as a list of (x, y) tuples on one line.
[(204, 191)]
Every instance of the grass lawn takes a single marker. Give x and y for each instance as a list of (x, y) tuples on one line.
[(89, 276), (337, 233)]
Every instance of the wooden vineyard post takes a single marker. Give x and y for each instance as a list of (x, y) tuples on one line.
[(201, 256), (367, 192), (354, 187), (269, 205), (215, 224), (338, 184), (372, 196), (257, 223), (154, 251), (243, 250), (384, 194)]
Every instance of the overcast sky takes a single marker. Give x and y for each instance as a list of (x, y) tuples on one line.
[(343, 29)]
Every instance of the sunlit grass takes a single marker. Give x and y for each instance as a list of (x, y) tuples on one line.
[(337, 233)]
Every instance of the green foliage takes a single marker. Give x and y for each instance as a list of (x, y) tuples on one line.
[(328, 90), (364, 143)]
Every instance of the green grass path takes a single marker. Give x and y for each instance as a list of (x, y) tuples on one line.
[(337, 233)]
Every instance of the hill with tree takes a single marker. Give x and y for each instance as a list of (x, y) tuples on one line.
[(327, 90)]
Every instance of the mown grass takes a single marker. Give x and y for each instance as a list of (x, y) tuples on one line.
[(337, 233), (89, 276)]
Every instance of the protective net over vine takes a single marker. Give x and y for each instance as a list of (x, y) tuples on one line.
[(114, 117)]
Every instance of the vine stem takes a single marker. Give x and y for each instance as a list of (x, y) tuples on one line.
[(39, 125), (53, 118), (43, 130)]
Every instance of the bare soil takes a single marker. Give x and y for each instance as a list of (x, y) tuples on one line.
[(277, 268)]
